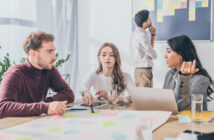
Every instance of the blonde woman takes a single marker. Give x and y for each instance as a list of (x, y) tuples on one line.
[(107, 77)]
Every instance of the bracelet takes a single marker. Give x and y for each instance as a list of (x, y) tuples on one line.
[(153, 34)]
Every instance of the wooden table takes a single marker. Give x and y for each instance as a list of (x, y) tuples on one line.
[(172, 128)]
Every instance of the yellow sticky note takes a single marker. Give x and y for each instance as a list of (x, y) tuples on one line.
[(165, 4), (152, 5), (159, 15), (205, 3), (140, 7), (177, 5), (191, 14), (183, 0), (171, 9)]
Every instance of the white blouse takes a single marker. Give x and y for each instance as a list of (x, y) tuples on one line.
[(96, 82)]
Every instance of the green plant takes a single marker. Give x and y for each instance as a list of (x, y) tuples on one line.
[(59, 62), (4, 65)]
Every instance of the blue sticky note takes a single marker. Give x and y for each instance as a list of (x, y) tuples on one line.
[(185, 119), (72, 131), (173, 1), (198, 4), (159, 4), (170, 138), (73, 121), (119, 136), (192, 4)]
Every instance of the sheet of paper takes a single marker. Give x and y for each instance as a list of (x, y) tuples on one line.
[(103, 124)]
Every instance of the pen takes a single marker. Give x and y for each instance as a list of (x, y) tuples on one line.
[(92, 109)]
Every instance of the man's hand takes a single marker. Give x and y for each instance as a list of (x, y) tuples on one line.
[(152, 31), (87, 98), (189, 68), (57, 107)]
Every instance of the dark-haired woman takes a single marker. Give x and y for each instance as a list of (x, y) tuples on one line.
[(187, 75), (107, 77)]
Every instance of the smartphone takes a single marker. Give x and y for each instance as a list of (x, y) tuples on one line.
[(194, 132)]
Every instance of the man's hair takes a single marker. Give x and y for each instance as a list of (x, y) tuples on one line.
[(141, 17), (34, 40)]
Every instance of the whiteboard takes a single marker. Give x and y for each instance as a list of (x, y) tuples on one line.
[(176, 17)]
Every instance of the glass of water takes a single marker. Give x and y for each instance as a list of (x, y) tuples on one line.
[(112, 99), (197, 107), (144, 129)]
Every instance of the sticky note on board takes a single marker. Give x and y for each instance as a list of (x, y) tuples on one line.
[(72, 131), (108, 114), (191, 14), (128, 116), (108, 123), (55, 129), (119, 136), (57, 117), (95, 113), (23, 138), (69, 115), (6, 137), (159, 15), (183, 118), (183, 4), (198, 4), (205, 3), (90, 134)]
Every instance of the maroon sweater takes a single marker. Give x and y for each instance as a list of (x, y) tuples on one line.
[(24, 86)]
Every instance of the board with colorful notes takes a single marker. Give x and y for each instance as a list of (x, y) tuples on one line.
[(80, 125)]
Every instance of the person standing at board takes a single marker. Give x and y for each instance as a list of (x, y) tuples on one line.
[(142, 49)]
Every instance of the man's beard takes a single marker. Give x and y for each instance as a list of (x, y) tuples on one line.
[(45, 66)]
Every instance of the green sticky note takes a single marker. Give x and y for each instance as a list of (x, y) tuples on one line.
[(95, 113), (182, 115), (70, 115), (23, 138), (107, 123), (55, 129)]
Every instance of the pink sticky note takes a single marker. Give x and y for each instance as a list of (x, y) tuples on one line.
[(152, 117), (90, 134), (155, 118), (6, 137), (109, 114), (57, 117), (133, 127), (89, 122), (36, 126), (183, 4)]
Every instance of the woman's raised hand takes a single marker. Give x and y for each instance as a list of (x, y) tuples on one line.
[(189, 67)]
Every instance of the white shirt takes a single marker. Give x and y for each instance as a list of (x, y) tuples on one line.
[(100, 82), (141, 49)]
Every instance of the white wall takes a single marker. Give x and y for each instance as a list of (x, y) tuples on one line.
[(110, 20)]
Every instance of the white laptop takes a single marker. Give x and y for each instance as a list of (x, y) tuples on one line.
[(153, 99)]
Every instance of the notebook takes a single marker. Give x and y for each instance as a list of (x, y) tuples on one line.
[(207, 115)]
